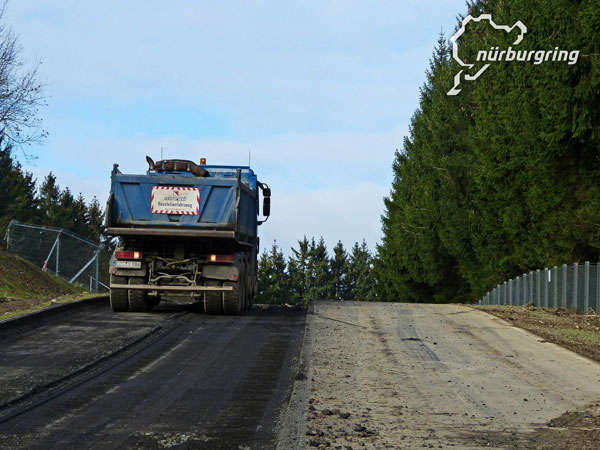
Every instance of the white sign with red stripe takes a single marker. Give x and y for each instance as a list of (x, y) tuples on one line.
[(175, 200)]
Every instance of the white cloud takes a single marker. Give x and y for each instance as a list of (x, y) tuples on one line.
[(323, 184)]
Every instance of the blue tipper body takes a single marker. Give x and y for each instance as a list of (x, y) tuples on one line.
[(228, 204)]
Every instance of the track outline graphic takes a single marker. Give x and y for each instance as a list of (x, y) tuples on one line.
[(460, 32)]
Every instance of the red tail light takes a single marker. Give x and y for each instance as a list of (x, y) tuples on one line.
[(129, 255), (221, 258)]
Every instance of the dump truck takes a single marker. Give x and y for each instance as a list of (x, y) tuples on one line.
[(186, 233)]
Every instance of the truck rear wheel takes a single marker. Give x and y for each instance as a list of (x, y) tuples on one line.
[(118, 297), (251, 293), (233, 301), (213, 303), (138, 300)]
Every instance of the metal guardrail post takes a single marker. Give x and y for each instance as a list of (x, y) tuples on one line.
[(586, 287), (597, 288), (57, 253), (575, 301), (97, 270), (510, 292), (563, 299), (521, 296), (554, 275), (538, 293), (546, 281)]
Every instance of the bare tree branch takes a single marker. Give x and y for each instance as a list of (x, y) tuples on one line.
[(21, 94)]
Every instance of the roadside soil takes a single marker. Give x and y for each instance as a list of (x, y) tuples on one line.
[(443, 376), (577, 332), (17, 307), (25, 288)]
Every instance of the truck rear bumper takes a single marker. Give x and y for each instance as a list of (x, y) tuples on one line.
[(152, 287), (167, 232)]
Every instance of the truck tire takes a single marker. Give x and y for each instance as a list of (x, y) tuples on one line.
[(138, 300), (213, 302), (118, 297), (233, 301), (247, 288), (251, 293)]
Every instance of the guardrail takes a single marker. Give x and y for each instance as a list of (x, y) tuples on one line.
[(575, 286)]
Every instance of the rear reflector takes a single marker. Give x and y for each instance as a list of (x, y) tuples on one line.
[(221, 258), (129, 255)]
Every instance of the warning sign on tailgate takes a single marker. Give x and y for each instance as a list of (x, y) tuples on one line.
[(175, 200)]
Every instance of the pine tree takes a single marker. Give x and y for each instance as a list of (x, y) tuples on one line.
[(17, 190), (273, 283), (299, 271), (339, 269), (361, 279), (96, 229), (49, 202), (67, 210), (502, 178), (81, 223), (321, 287)]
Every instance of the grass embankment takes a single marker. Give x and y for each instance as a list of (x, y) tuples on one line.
[(25, 288), (577, 332)]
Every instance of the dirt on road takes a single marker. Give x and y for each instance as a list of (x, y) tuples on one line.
[(442, 376)]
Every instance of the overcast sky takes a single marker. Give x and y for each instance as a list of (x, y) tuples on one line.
[(320, 92)]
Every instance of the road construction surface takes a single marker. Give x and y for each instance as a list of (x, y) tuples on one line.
[(352, 376), (173, 378), (436, 376)]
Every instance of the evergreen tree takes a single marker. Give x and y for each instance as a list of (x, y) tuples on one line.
[(95, 215), (49, 202), (81, 223), (17, 190), (299, 271), (361, 279), (339, 269), (273, 283), (501, 178), (321, 286), (67, 210)]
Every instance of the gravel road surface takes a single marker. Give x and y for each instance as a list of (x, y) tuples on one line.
[(174, 378), (435, 376)]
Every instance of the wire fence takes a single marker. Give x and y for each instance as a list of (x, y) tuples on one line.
[(61, 252), (575, 286)]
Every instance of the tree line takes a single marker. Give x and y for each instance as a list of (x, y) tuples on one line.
[(47, 204), (504, 177), (309, 273)]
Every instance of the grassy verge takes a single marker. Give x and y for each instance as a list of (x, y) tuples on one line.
[(577, 332), (25, 288), (19, 308)]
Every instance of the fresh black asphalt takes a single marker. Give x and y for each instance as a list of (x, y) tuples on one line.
[(173, 378)]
